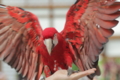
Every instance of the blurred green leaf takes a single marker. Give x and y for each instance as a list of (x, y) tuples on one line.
[(74, 67)]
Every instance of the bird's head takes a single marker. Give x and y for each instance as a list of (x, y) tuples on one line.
[(49, 33), (50, 38)]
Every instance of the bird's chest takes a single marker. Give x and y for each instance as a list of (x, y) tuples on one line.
[(58, 56), (58, 59)]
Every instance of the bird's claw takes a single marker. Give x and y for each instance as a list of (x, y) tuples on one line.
[(43, 78), (76, 71), (70, 71)]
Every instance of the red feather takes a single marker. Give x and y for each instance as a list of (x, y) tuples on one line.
[(87, 29)]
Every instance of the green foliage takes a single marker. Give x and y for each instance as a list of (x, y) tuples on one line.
[(74, 67), (117, 60)]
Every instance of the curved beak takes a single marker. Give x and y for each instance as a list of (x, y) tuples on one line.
[(49, 45)]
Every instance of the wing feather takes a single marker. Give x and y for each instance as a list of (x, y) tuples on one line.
[(91, 23), (106, 24), (18, 42), (107, 17)]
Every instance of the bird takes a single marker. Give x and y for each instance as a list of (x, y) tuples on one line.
[(23, 42)]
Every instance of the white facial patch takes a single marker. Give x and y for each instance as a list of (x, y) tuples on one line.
[(48, 44)]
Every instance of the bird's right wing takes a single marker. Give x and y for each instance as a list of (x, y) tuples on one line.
[(88, 26), (20, 40)]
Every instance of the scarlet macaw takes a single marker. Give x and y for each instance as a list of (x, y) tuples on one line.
[(87, 29)]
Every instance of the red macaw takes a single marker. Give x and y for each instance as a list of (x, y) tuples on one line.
[(87, 29)]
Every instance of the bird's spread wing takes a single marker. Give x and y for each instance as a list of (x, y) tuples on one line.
[(20, 37), (88, 28)]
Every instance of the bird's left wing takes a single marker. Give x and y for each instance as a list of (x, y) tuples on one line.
[(20, 39), (87, 29)]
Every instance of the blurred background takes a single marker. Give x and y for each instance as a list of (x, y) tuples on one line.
[(52, 13)]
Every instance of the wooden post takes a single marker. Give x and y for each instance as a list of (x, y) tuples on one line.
[(0, 1), (51, 13), (0, 66)]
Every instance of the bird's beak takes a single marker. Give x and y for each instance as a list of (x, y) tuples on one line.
[(49, 45)]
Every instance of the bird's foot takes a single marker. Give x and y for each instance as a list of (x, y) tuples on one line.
[(76, 71), (43, 78), (70, 71)]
